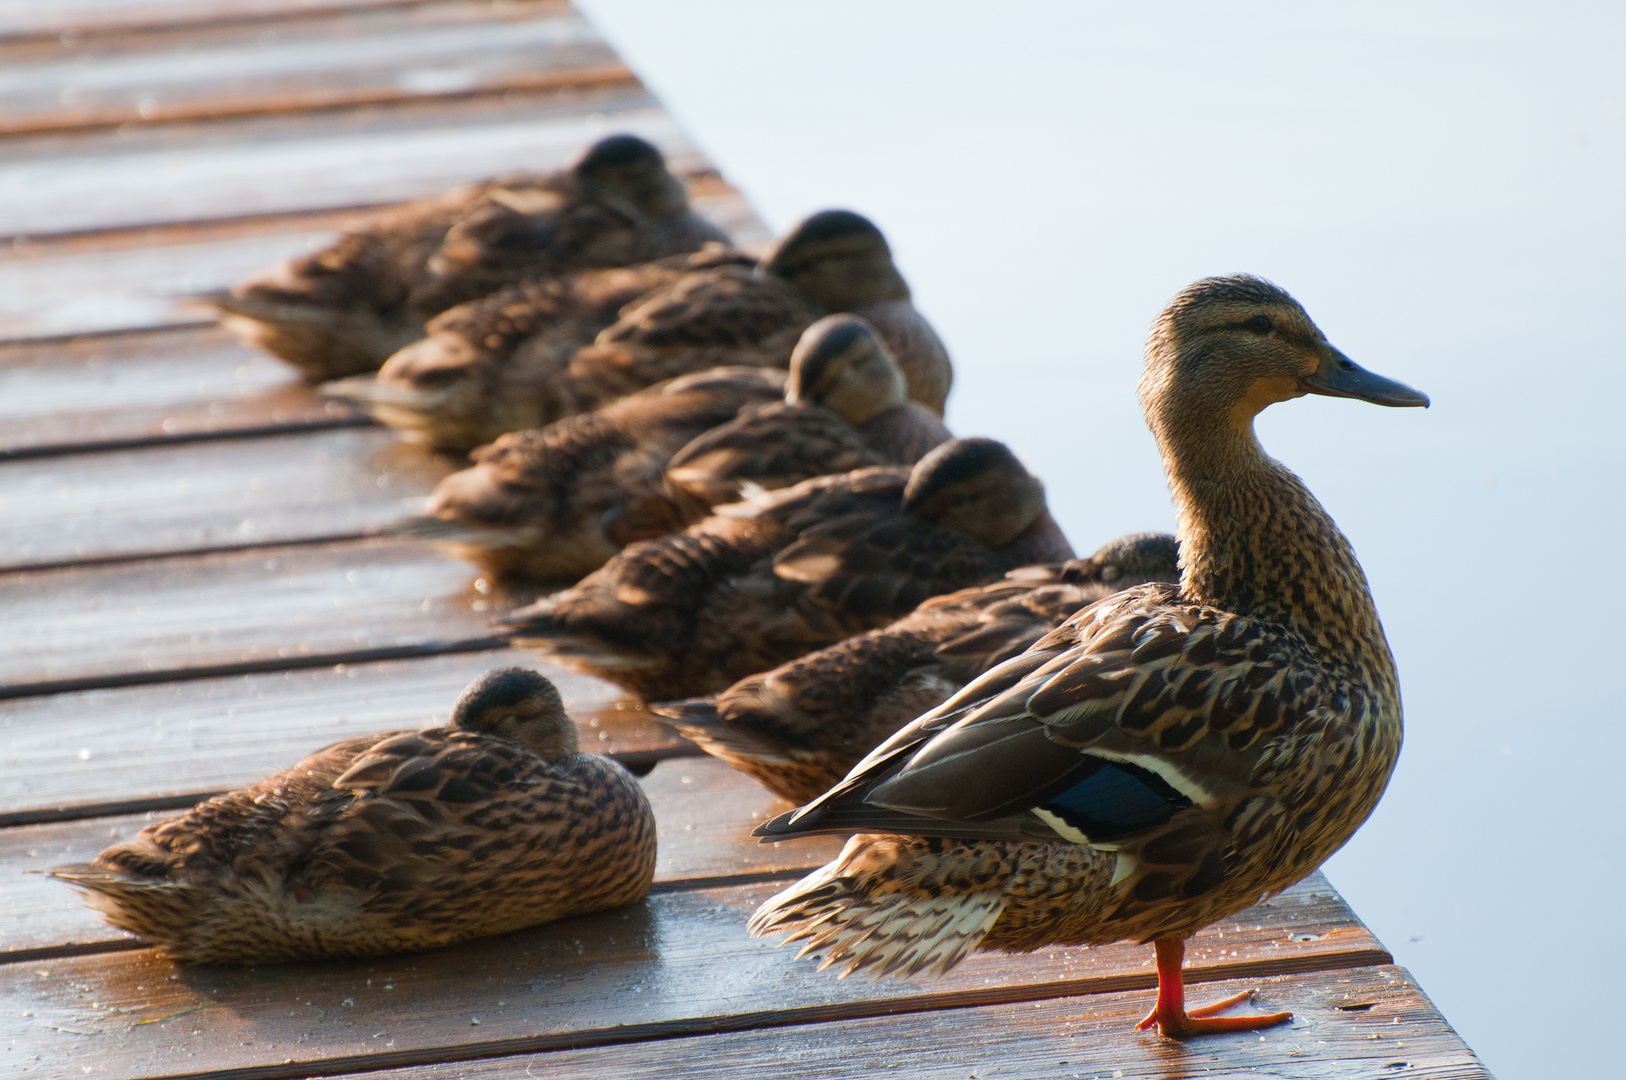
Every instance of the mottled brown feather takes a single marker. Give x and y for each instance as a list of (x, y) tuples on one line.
[(763, 582)]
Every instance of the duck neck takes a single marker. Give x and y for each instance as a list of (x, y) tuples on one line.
[(1254, 541)]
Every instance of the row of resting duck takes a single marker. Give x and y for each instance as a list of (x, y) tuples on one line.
[(782, 548)]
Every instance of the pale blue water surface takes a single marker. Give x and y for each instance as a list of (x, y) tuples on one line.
[(1444, 187)]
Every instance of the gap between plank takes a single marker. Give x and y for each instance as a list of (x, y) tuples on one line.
[(207, 22), (182, 553), (637, 762), (144, 442), (287, 104), (699, 174), (250, 667), (777, 1018)]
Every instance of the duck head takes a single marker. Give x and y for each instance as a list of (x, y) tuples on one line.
[(1226, 348), (633, 169), (1135, 559), (842, 364), (521, 706), (840, 260), (978, 487)]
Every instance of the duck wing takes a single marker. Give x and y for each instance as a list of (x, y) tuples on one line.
[(1139, 706), (427, 804), (768, 447), (868, 565), (730, 314), (905, 433)]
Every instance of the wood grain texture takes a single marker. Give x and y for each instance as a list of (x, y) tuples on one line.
[(290, 604), (704, 813), (139, 278), (30, 19), (319, 60), (63, 753), (172, 384), (678, 964), (1364, 1022), (302, 162), (193, 497)]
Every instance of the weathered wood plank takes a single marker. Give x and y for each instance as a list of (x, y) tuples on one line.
[(171, 384), (455, 47), (679, 964), (1363, 1022), (281, 164), (283, 608), (70, 754), (704, 812), (194, 497), (80, 18)]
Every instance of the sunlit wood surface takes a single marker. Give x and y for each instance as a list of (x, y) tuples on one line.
[(194, 593)]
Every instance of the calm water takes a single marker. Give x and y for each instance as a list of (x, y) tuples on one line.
[(1444, 187)]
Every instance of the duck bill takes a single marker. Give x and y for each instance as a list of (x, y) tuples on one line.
[(1339, 376)]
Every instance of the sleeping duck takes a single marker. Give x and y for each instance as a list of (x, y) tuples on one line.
[(1168, 756), (534, 503), (799, 728), (541, 351), (846, 406), (396, 841), (348, 307), (775, 577)]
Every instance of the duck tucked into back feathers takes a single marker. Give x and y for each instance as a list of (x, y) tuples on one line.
[(498, 364), (834, 261), (846, 407), (534, 503), (1171, 754), (769, 579), (346, 308), (395, 841), (799, 728)]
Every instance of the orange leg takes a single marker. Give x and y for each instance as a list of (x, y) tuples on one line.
[(1170, 1013)]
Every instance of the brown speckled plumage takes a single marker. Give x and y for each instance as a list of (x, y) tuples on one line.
[(395, 841), (799, 728), (534, 502), (846, 407), (770, 579), (346, 308), (498, 364), (834, 261), (1180, 752)]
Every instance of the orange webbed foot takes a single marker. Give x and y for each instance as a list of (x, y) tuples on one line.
[(1169, 1015), (1203, 1021)]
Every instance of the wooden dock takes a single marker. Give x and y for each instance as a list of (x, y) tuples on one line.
[(191, 598)]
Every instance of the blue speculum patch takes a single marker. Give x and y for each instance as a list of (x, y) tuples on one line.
[(1117, 800)]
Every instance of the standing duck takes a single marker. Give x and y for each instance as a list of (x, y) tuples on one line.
[(1168, 756), (799, 728), (396, 841), (346, 308), (787, 572), (534, 503)]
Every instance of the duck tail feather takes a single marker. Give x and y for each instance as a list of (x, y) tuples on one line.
[(856, 914)]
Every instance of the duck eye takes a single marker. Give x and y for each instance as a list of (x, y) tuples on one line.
[(1259, 324)]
